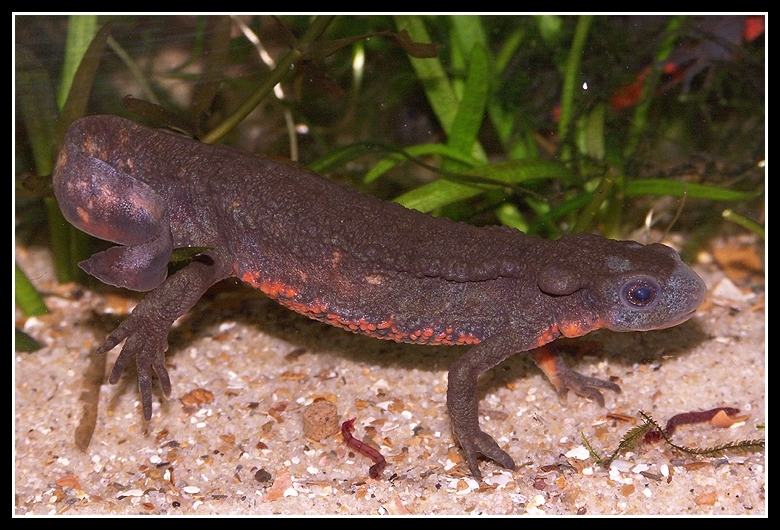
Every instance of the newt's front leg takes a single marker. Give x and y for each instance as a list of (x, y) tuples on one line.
[(146, 329), (462, 397), (462, 400)]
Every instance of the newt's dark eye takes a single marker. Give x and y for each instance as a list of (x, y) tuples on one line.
[(640, 292)]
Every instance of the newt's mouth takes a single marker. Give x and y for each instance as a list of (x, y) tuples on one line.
[(679, 320)]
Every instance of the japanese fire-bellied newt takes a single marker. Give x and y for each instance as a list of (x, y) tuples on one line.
[(350, 260)]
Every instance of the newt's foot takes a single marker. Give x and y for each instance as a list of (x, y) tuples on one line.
[(147, 343), (564, 378), (479, 442), (584, 386)]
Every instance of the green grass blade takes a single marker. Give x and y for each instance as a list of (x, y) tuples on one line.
[(590, 135), (431, 74), (471, 109), (744, 222), (601, 194), (443, 192), (572, 76), (24, 342), (81, 31), (36, 104), (420, 150), (678, 188), (340, 157), (466, 31), (549, 220), (80, 84), (27, 298)]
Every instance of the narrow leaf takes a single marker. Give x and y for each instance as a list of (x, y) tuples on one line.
[(157, 114), (24, 342), (420, 150), (431, 73), (81, 31), (340, 157), (27, 298), (443, 192), (78, 95), (36, 104), (678, 188), (471, 109), (572, 75)]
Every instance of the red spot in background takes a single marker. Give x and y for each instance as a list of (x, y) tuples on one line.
[(754, 28)]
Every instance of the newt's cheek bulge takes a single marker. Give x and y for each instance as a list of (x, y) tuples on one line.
[(349, 260)]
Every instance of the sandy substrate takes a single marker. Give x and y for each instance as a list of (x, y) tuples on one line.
[(231, 438)]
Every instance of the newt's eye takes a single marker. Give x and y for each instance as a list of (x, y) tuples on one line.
[(640, 293)]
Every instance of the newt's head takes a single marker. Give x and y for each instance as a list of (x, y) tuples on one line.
[(634, 287)]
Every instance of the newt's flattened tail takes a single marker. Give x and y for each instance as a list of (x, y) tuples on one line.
[(111, 205)]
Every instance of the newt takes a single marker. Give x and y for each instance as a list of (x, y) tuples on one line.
[(350, 260)]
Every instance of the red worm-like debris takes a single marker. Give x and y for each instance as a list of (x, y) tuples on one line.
[(364, 449)]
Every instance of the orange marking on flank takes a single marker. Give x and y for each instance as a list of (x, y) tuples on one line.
[(387, 328)]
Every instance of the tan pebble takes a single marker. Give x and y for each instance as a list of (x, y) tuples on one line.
[(320, 420)]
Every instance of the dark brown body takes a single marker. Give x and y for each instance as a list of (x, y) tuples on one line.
[(347, 259)]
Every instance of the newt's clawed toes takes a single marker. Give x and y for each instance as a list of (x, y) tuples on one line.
[(147, 346), (482, 443), (564, 378), (584, 386)]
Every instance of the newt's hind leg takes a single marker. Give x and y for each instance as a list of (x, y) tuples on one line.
[(564, 378)]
